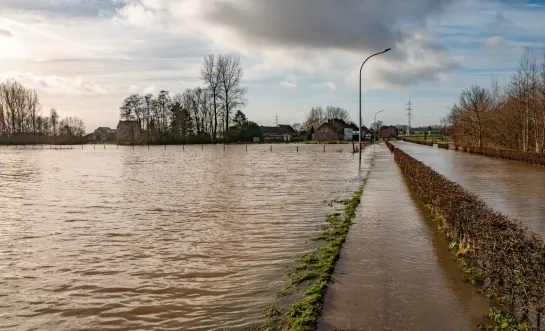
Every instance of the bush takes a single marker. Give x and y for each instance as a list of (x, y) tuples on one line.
[(421, 142), (509, 259), (390, 146), (508, 154), (443, 145)]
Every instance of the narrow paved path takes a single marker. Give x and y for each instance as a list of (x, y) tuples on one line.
[(395, 272)]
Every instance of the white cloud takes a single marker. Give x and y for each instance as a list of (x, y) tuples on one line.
[(288, 83), (150, 89), (331, 86), (133, 89), (55, 84), (494, 41)]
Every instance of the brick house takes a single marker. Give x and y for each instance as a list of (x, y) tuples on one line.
[(388, 132), (333, 129)]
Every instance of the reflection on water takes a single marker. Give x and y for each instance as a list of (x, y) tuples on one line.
[(164, 239), (395, 271), (513, 188)]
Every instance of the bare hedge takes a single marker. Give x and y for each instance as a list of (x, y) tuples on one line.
[(507, 260), (443, 145), (508, 154), (421, 142)]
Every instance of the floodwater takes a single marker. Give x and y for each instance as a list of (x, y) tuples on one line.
[(166, 239), (512, 188), (395, 271)]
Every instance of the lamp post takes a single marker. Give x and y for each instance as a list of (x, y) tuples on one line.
[(384, 51), (375, 131)]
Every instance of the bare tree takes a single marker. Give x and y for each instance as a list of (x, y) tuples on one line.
[(54, 119), (72, 126), (472, 111), (210, 74), (333, 112), (230, 77)]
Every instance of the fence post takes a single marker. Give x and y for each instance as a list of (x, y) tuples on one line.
[(224, 147), (94, 146), (271, 148), (246, 148), (297, 149), (104, 146), (324, 148)]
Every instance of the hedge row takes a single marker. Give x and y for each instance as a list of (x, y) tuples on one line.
[(497, 253), (509, 154), (390, 146), (443, 145), (421, 142)]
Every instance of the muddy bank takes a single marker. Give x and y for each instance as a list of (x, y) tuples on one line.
[(395, 271)]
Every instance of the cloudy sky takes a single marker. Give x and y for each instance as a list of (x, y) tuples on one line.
[(85, 56)]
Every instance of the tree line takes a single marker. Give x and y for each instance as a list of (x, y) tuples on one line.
[(200, 114), (21, 112), (318, 115), (510, 116)]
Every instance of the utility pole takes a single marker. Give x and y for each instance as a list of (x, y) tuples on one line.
[(409, 114), (276, 119)]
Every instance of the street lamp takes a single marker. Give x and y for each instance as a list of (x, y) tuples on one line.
[(384, 51), (375, 131)]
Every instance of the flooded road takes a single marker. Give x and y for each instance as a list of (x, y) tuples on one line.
[(395, 271), (157, 239), (513, 188)]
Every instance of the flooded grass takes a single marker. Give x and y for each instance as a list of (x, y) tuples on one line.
[(312, 272)]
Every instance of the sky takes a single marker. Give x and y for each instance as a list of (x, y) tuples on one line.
[(83, 57)]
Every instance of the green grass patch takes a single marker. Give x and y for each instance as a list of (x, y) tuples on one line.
[(312, 272)]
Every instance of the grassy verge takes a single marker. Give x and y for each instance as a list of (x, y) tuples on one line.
[(312, 272)]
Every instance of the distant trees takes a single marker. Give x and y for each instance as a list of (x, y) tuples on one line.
[(512, 116), (20, 111), (319, 115), (200, 114)]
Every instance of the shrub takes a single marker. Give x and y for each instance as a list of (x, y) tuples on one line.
[(508, 154), (421, 142), (390, 146), (443, 145)]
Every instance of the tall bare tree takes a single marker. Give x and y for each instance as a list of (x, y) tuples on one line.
[(230, 77), (210, 74), (54, 120)]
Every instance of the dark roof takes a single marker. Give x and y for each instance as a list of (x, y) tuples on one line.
[(336, 125), (280, 129)]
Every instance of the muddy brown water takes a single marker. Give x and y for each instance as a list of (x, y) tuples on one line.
[(175, 239), (513, 188), (395, 271)]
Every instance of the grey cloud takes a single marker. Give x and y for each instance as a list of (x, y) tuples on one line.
[(352, 25), (413, 75), (5, 33), (64, 7), (500, 19)]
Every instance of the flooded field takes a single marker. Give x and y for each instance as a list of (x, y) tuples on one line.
[(513, 188), (157, 239), (395, 270)]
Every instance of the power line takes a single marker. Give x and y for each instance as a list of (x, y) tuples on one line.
[(409, 114), (276, 119)]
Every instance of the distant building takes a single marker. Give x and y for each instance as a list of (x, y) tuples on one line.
[(103, 134), (333, 129), (279, 133), (128, 132), (388, 132)]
